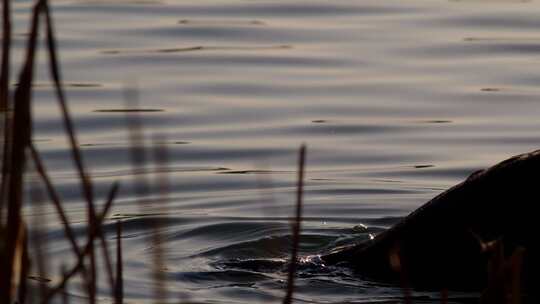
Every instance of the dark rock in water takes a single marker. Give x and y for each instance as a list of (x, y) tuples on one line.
[(445, 244)]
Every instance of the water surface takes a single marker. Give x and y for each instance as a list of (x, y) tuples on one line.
[(396, 101)]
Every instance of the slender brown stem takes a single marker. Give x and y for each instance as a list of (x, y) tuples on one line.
[(136, 140), (55, 198), (76, 153), (6, 134), (37, 236), (65, 296), (5, 124), (63, 217), (119, 286), (296, 226), (25, 268), (105, 246), (161, 158), (91, 287), (22, 122), (87, 248), (68, 123), (6, 48)]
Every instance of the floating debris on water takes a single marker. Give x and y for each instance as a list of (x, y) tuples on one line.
[(490, 89), (436, 121), (423, 166)]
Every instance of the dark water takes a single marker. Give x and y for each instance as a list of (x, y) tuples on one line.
[(396, 100)]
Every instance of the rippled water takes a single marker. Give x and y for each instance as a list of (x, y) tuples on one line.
[(396, 101)]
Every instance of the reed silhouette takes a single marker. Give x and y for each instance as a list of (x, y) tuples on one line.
[(18, 150)]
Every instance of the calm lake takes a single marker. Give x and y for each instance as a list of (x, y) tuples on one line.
[(396, 101)]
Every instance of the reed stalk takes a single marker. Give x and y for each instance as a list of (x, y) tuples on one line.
[(119, 284), (6, 48), (22, 122), (296, 226), (5, 122)]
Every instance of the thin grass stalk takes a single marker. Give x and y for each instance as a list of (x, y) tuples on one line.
[(68, 123), (6, 48), (138, 160), (76, 154), (4, 101), (6, 134), (265, 189), (25, 268), (22, 123), (87, 248), (91, 287), (104, 245), (136, 140), (296, 226), (65, 295), (55, 198), (119, 286), (161, 159), (37, 237), (53, 195)]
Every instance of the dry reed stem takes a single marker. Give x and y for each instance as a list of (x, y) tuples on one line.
[(105, 246), (68, 123), (25, 267), (138, 160), (15, 262), (136, 141), (55, 198), (296, 226), (87, 248), (4, 102), (6, 133), (37, 236), (119, 285), (76, 153), (6, 47), (65, 297), (64, 219), (5, 123), (161, 158), (22, 123)]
